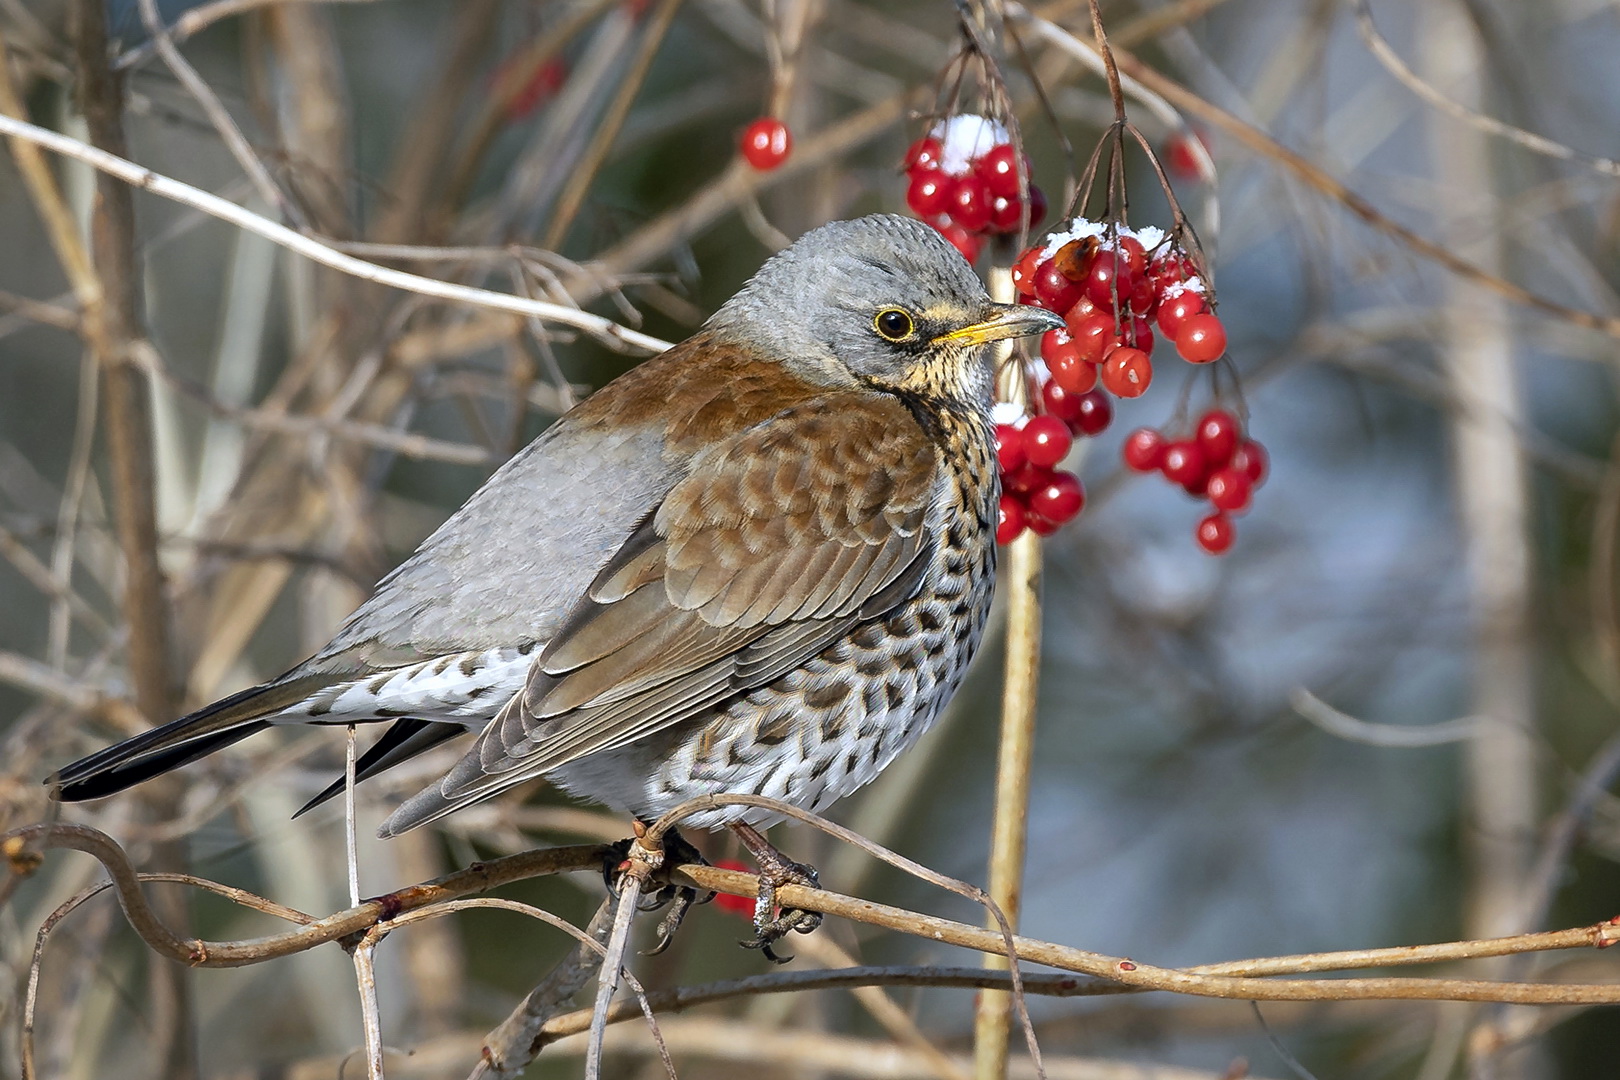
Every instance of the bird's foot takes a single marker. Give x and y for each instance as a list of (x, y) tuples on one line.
[(677, 851), (776, 870)]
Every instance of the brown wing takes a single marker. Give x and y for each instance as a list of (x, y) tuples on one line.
[(776, 543)]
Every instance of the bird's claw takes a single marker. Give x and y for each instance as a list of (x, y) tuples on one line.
[(770, 925), (682, 897)]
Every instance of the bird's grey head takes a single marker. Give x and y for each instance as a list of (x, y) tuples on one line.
[(884, 300)]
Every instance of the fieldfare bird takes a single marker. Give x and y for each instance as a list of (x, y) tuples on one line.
[(757, 563)]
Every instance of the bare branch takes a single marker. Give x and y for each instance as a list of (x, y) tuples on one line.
[(137, 176)]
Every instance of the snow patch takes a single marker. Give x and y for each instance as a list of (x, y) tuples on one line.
[(966, 139)]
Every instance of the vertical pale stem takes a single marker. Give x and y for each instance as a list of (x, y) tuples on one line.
[(365, 971), (1021, 584), (1499, 782), (113, 332)]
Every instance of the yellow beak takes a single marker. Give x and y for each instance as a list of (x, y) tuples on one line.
[(1003, 321)]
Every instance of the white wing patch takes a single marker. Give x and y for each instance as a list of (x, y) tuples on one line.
[(465, 688)]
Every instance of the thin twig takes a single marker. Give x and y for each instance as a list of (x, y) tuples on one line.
[(512, 1045), (214, 109), (643, 861), (582, 173), (1352, 729), (1385, 54), (203, 16), (1321, 181), (145, 179), (677, 999)]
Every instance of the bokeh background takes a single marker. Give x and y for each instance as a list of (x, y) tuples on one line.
[(1432, 560)]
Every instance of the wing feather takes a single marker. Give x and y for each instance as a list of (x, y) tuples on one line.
[(776, 543)]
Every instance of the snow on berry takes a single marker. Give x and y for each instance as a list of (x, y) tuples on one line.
[(963, 178), (964, 140)]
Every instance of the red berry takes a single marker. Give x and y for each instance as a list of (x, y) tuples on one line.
[(1096, 412), (1175, 311), (1024, 479), (1010, 519), (1171, 267), (1037, 205), (1183, 463), (925, 153), (1046, 441), (1053, 343), (1201, 339), (969, 203), (1252, 460), (1079, 379), (966, 242), (766, 142), (1134, 255), (1109, 271), (1230, 490), (1069, 369), (1144, 450), (1215, 533), (1010, 451), (1056, 292), (1093, 334), (1023, 271), (540, 86), (1217, 434), (1144, 299), (1006, 213), (1059, 402), (1126, 372), (1039, 524), (1180, 157), (1138, 333), (1172, 264), (1059, 500), (929, 192), (999, 171)]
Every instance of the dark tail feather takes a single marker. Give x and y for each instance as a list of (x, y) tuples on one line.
[(177, 743), (402, 741)]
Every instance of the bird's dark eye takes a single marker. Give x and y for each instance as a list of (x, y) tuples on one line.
[(893, 324)]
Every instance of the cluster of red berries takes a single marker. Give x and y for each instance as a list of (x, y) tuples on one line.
[(1111, 292), (766, 143), (1216, 462), (963, 180), (1035, 493)]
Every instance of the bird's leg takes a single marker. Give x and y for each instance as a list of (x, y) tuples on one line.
[(677, 850), (775, 869)]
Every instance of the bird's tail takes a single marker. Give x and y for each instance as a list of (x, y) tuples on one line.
[(178, 743)]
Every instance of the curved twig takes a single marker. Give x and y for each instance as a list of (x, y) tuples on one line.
[(1386, 55), (195, 952)]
